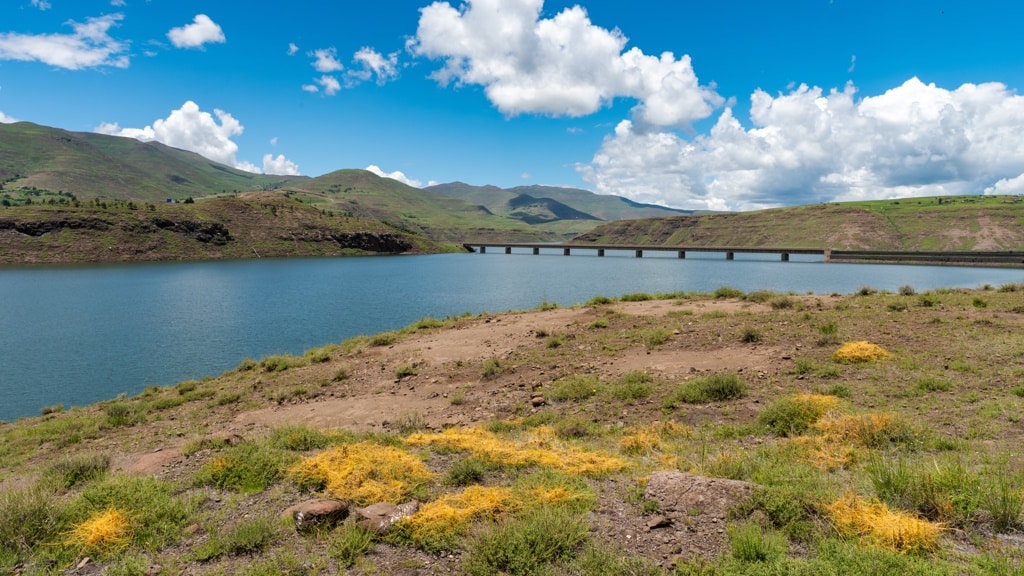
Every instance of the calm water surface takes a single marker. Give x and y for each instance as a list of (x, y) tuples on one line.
[(76, 335)]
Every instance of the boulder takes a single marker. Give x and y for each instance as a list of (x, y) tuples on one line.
[(379, 518), (324, 512)]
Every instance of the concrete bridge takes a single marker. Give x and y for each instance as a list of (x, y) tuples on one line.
[(1012, 258), (638, 250)]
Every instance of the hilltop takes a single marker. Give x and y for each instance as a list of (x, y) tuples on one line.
[(724, 433)]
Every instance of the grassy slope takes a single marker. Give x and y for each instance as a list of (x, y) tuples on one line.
[(262, 224), (938, 437), (367, 195), (961, 223), (95, 165)]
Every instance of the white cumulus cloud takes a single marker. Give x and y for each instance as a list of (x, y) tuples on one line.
[(292, 49), (563, 66), (1007, 186), (279, 165), (88, 46), (190, 128), (396, 175), (374, 64), (807, 146), (42, 4), (326, 60), (5, 119), (201, 31)]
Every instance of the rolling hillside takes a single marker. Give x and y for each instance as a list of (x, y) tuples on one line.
[(949, 223), (252, 225), (99, 166)]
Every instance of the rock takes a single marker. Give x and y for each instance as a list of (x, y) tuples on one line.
[(379, 518), (537, 401), (319, 512), (658, 521)]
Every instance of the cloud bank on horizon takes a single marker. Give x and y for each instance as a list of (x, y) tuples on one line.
[(803, 145)]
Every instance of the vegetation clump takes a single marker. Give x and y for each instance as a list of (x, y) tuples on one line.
[(860, 352), (365, 473), (104, 531), (794, 415), (875, 523)]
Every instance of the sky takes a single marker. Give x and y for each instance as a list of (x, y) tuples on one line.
[(730, 105)]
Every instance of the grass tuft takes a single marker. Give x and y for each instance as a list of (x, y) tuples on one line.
[(860, 352)]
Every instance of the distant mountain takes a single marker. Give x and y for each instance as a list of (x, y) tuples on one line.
[(92, 165), (441, 218), (584, 205)]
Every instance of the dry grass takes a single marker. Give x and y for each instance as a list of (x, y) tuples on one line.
[(450, 515), (364, 473), (647, 439), (874, 523), (540, 448), (105, 531), (860, 352)]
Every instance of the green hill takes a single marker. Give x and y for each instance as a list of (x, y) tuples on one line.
[(99, 166), (252, 225), (946, 223)]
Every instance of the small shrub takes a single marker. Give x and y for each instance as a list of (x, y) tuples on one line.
[(599, 323), (545, 305), (750, 542), (74, 470), (636, 297), (229, 398), (927, 300), (319, 355), (298, 438), (465, 472), (713, 388), (654, 337), (457, 398), (122, 414), (1017, 391), (341, 374), (576, 427), (167, 402), (727, 292), (633, 386), (279, 363), (979, 303), (759, 296), (54, 409), (866, 291), (932, 384), (898, 306), (1003, 499), (803, 366), (409, 422), (246, 538), (491, 368), (907, 290), (840, 391), (751, 336), (555, 341), (246, 365), (528, 544), (599, 301), (794, 415), (405, 371), (246, 467), (575, 388), (784, 303), (427, 324), (349, 543), (384, 338)]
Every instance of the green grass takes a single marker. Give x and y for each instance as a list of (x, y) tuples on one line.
[(527, 545), (246, 467), (705, 389), (575, 388)]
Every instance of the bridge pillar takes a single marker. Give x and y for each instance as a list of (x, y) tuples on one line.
[(565, 251), (785, 256), (600, 251), (508, 249), (483, 249), (730, 255), (536, 251), (682, 254), (639, 253)]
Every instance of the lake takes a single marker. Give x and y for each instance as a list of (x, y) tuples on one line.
[(73, 335)]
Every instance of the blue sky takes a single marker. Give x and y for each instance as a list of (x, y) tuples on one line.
[(720, 105)]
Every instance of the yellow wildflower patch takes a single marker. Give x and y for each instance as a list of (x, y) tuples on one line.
[(364, 473), (649, 439), (875, 523), (106, 530), (860, 351), (825, 452), (452, 513), (817, 404), (541, 448)]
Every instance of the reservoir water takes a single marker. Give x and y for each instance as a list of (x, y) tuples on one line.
[(74, 335)]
